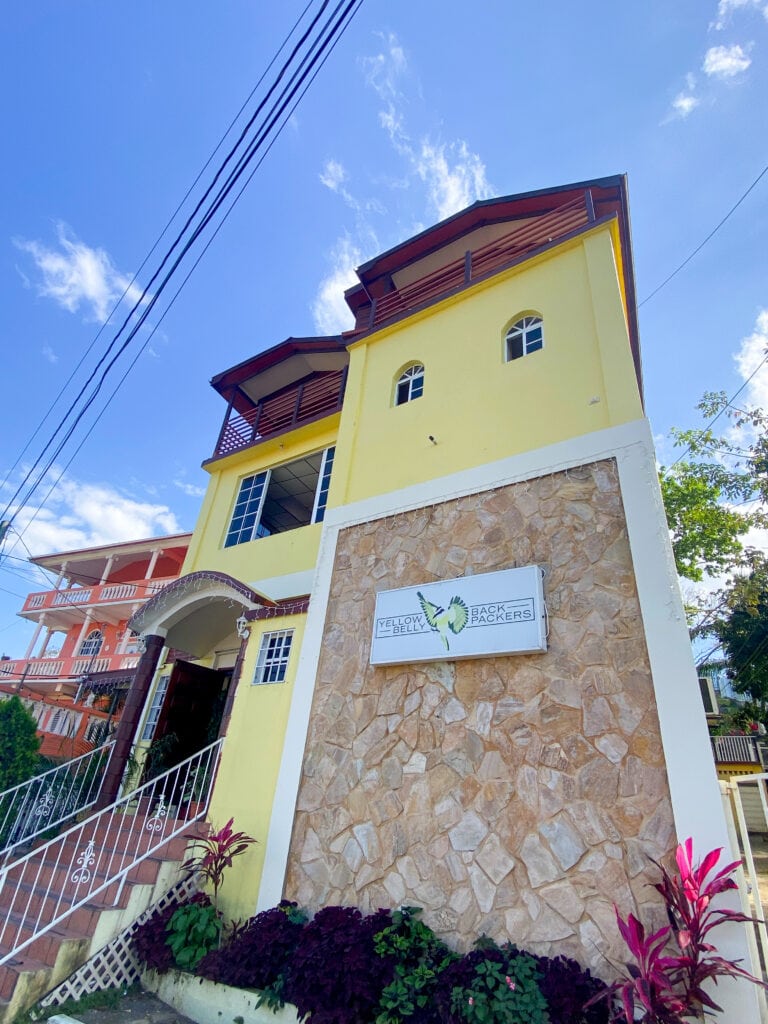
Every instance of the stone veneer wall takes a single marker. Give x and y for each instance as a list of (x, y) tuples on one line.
[(518, 796)]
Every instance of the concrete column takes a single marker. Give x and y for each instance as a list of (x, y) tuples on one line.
[(107, 569), (44, 648), (35, 635), (134, 705), (60, 578), (152, 563), (83, 632)]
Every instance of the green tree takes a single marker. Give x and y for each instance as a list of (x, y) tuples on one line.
[(704, 493), (19, 744), (742, 630)]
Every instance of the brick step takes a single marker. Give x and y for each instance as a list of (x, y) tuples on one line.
[(44, 902), (12, 971), (50, 878)]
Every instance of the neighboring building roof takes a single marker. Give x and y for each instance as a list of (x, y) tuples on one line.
[(102, 551)]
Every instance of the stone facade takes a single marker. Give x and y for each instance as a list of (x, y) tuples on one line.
[(517, 796)]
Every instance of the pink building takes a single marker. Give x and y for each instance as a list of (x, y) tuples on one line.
[(80, 660)]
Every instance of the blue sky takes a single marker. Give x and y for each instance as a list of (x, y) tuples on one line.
[(110, 111)]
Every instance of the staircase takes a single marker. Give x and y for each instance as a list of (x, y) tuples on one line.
[(68, 897)]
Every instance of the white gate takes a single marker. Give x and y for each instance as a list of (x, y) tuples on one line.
[(748, 877)]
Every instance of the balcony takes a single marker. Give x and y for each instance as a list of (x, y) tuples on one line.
[(476, 264), (57, 668), (318, 395), (736, 750), (84, 597)]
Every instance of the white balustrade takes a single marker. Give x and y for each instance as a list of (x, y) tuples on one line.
[(97, 854)]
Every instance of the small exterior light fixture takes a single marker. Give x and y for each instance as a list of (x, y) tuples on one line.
[(243, 627)]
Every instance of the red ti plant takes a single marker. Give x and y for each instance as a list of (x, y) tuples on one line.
[(219, 849), (688, 897), (666, 984)]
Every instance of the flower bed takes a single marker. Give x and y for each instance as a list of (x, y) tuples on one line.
[(390, 968), (207, 1002)]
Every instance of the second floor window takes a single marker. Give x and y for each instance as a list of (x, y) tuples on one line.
[(92, 644), (410, 385), (526, 335), (281, 499)]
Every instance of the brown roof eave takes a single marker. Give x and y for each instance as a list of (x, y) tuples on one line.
[(229, 380)]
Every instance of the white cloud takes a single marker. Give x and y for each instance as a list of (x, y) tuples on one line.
[(454, 177), (685, 102), (81, 515), (333, 175), (726, 8), (329, 310), (751, 359), (725, 61), (76, 276), (191, 490), (49, 354), (384, 70)]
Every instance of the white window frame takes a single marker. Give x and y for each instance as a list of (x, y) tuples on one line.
[(87, 648), (521, 329), (272, 665), (318, 507), (326, 468), (153, 715), (411, 378)]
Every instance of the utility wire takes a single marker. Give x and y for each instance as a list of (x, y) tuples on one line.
[(142, 299), (331, 29), (285, 121), (134, 279), (701, 245), (224, 191)]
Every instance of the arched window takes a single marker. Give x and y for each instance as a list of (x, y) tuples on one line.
[(92, 643), (526, 335), (410, 384)]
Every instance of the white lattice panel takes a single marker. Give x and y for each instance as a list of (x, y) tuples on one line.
[(114, 965)]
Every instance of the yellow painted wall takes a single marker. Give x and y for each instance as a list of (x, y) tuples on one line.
[(250, 761), (478, 407), (282, 553)]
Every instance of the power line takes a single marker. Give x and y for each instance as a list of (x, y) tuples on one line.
[(329, 34), (286, 118), (701, 245), (134, 279)]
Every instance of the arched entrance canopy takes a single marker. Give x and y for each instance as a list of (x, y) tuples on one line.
[(197, 611)]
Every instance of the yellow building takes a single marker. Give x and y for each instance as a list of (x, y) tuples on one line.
[(508, 761)]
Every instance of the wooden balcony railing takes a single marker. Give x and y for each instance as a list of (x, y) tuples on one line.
[(319, 395), (475, 264)]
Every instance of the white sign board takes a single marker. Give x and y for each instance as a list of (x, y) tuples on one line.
[(468, 617)]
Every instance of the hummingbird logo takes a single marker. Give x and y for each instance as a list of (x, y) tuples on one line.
[(441, 620)]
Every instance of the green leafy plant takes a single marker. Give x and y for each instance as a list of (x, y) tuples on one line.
[(419, 958), (19, 744), (501, 991), (193, 931), (218, 851)]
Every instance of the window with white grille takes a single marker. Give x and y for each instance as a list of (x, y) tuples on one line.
[(155, 708), (272, 662)]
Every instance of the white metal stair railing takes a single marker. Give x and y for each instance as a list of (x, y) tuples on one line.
[(49, 799), (94, 858)]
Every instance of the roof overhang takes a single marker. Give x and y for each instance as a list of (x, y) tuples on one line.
[(279, 367)]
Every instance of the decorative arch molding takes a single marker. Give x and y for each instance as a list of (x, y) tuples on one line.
[(209, 594)]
